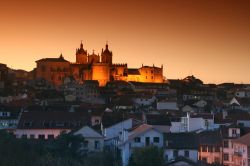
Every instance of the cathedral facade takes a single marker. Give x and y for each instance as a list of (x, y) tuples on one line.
[(94, 67)]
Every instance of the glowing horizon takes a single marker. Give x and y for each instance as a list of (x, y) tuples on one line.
[(207, 39)]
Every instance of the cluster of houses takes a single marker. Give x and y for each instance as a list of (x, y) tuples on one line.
[(194, 123)]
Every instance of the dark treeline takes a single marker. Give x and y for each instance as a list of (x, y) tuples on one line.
[(63, 151)]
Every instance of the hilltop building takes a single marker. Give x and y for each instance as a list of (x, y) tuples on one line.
[(95, 67)]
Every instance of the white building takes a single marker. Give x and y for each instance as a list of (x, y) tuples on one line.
[(144, 100), (193, 122), (9, 117), (48, 124), (144, 135), (93, 141)]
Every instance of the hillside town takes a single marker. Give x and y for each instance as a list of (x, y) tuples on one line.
[(119, 109)]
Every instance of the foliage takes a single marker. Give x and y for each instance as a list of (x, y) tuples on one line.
[(66, 145), (63, 151), (148, 156)]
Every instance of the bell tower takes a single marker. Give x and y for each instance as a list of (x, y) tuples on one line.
[(81, 55), (107, 55)]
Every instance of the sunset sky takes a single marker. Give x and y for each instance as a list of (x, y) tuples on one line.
[(207, 38)]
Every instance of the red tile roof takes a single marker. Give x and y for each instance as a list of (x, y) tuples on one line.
[(243, 140)]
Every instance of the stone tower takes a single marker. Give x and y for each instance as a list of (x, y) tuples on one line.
[(81, 55), (93, 58), (106, 55)]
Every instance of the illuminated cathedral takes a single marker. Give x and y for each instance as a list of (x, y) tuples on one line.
[(94, 67)]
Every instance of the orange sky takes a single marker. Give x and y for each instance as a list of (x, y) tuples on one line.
[(207, 38)]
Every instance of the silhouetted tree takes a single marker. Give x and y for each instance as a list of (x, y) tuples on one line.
[(148, 156)]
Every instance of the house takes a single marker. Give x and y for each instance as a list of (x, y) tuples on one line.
[(49, 124), (193, 122), (188, 108), (161, 121), (167, 105), (124, 102), (149, 86), (234, 104), (114, 134), (9, 116), (144, 135), (200, 103), (144, 99), (182, 161), (113, 124), (3, 76), (241, 148), (86, 91), (93, 141), (210, 147), (229, 133), (181, 145)]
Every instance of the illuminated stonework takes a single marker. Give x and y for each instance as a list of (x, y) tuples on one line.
[(94, 67)]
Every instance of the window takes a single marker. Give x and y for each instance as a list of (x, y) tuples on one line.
[(176, 153), (210, 149), (46, 124), (32, 136), (241, 124), (217, 149), (24, 136), (166, 157), (51, 136), (97, 144), (204, 159), (186, 153), (4, 114), (234, 133), (156, 139), (85, 144), (226, 157), (226, 144), (216, 159), (60, 124), (137, 139), (204, 148), (147, 141), (43, 68), (41, 136)]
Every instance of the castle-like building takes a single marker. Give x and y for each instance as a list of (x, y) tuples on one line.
[(94, 67)]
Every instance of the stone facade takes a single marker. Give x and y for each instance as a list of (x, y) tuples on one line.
[(94, 67)]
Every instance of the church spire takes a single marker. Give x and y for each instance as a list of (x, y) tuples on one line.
[(81, 45), (61, 56), (107, 46)]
